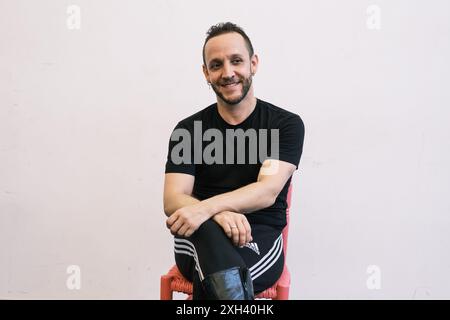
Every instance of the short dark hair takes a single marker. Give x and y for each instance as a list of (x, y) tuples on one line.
[(226, 27)]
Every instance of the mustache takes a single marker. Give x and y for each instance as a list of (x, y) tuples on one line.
[(224, 83)]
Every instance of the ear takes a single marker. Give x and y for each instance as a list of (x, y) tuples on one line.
[(254, 61), (206, 73)]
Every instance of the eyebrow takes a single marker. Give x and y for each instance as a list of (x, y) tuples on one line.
[(233, 56)]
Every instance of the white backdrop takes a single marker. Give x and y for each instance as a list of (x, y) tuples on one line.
[(86, 114)]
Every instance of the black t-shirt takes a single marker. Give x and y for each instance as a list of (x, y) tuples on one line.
[(197, 150)]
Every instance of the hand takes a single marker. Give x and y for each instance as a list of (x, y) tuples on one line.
[(236, 227), (185, 221)]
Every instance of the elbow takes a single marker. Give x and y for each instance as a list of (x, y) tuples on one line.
[(169, 201), (268, 193), (270, 199), (271, 196), (168, 210)]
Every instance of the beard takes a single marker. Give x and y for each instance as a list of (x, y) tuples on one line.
[(246, 84)]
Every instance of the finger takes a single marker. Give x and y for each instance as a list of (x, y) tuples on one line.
[(235, 234), (171, 220), (227, 229), (174, 228), (169, 226), (242, 234), (225, 225), (248, 229), (182, 231), (188, 233)]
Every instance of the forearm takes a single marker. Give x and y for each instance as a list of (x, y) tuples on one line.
[(177, 201), (250, 198)]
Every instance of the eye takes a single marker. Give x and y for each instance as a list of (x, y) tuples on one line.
[(236, 61)]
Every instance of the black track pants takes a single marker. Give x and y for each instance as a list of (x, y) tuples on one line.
[(209, 250)]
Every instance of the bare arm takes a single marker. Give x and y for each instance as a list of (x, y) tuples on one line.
[(255, 196), (178, 192)]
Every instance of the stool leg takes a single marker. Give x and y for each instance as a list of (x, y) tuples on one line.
[(165, 291), (282, 293)]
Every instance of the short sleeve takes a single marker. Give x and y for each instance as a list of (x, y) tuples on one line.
[(292, 133), (180, 151)]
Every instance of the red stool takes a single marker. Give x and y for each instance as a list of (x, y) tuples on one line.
[(174, 280)]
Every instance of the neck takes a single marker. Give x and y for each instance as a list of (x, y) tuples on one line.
[(237, 113)]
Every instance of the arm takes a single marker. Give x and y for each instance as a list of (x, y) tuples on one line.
[(178, 192), (258, 195), (177, 202), (255, 196)]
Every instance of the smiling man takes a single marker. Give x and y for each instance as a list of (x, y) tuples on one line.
[(227, 216)]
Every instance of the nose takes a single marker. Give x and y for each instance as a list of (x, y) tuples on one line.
[(228, 71)]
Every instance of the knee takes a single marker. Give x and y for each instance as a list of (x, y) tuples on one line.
[(208, 229)]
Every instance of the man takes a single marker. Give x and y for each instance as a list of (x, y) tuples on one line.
[(227, 208)]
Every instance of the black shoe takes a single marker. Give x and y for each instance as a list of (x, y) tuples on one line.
[(231, 284)]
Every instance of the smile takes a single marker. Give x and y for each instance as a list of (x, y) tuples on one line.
[(231, 85)]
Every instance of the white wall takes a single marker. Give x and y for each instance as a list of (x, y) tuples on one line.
[(85, 117)]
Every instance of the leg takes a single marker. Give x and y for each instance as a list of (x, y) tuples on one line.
[(264, 256), (209, 255)]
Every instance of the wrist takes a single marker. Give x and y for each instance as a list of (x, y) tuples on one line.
[(205, 209)]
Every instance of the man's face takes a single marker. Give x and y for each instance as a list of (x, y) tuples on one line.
[(228, 67)]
